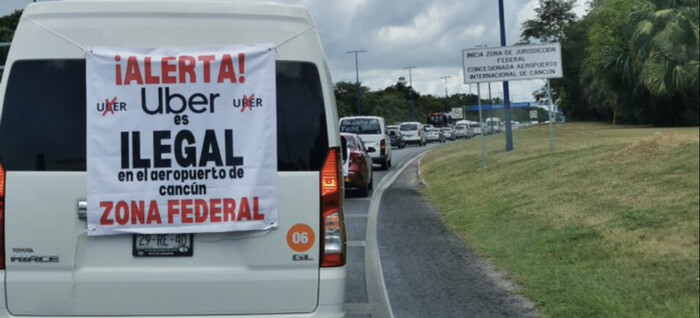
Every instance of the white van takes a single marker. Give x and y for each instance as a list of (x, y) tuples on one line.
[(372, 130), (50, 267)]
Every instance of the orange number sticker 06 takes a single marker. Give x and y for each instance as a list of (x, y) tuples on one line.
[(300, 238)]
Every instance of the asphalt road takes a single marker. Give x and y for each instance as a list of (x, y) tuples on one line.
[(427, 271)]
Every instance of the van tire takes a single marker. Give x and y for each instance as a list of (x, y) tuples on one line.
[(385, 164), (370, 186)]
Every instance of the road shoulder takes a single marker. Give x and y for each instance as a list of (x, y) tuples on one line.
[(429, 271)]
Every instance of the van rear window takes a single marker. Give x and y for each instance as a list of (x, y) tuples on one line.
[(361, 126), (42, 127)]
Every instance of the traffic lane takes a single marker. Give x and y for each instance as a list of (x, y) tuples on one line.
[(428, 271), (398, 157)]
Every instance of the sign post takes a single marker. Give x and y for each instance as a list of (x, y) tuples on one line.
[(551, 118), (481, 128)]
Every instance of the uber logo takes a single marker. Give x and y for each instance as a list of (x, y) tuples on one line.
[(108, 106)]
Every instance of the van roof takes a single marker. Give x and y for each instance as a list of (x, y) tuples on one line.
[(362, 117), (66, 29), (178, 6)]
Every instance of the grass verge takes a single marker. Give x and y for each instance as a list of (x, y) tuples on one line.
[(607, 226)]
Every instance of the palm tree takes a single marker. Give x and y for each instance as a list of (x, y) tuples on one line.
[(664, 47)]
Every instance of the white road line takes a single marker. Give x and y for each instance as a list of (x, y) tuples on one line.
[(357, 243), (352, 216), (358, 308), (376, 288)]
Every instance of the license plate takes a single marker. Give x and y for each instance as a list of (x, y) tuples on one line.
[(154, 245)]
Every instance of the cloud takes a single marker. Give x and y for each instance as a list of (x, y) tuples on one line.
[(429, 34)]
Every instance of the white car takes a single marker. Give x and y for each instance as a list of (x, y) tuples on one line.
[(374, 134), (449, 133), (413, 133), (434, 135), (50, 267)]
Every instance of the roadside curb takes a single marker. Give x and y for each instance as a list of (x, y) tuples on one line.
[(418, 172)]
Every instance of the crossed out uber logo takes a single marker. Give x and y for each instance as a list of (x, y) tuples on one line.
[(111, 106), (247, 102)]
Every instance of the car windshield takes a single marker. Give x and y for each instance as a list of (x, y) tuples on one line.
[(461, 127), (431, 130), (409, 127), (446, 129), (361, 126)]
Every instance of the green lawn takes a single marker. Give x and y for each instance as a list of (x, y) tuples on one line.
[(607, 226)]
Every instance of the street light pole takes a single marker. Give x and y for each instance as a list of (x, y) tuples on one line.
[(445, 78), (410, 84), (357, 81), (506, 90)]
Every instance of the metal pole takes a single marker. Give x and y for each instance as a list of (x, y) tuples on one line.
[(506, 91), (551, 122), (481, 129), (491, 106), (445, 78), (357, 81), (410, 84)]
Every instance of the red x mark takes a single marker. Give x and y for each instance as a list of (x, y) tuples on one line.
[(248, 102), (109, 106)]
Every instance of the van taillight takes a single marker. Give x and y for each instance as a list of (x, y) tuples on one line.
[(2, 217), (332, 220), (382, 147)]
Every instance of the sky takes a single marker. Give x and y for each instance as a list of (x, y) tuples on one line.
[(428, 34)]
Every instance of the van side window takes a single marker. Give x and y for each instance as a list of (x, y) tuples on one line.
[(43, 121)]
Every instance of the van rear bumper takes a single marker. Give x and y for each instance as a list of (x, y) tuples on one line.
[(331, 301), (321, 312)]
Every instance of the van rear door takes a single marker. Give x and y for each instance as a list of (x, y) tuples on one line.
[(54, 268)]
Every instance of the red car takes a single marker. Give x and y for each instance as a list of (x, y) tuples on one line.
[(357, 167)]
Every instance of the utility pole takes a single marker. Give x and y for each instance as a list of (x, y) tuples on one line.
[(506, 91), (357, 81), (410, 84), (445, 78)]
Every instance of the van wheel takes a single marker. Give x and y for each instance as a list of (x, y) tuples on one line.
[(370, 186), (385, 164), (389, 164)]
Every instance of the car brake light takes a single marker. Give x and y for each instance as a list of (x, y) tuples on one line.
[(332, 220), (382, 147), (2, 216)]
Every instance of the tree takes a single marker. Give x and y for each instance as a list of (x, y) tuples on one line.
[(556, 22), (8, 24), (552, 17), (663, 53)]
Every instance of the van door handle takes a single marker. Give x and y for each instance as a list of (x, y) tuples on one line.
[(82, 209)]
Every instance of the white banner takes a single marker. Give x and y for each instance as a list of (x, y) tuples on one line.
[(512, 63), (181, 140)]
